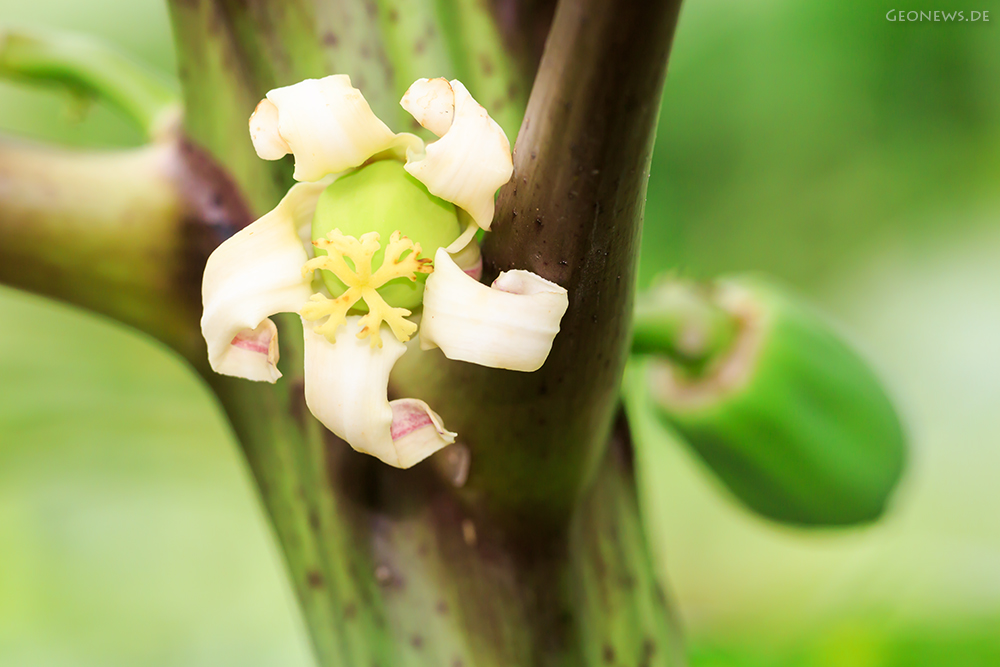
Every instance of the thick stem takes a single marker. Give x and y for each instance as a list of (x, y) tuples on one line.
[(572, 214), (416, 47), (524, 27), (321, 529), (109, 231), (220, 92), (558, 504), (483, 64), (231, 53), (462, 590)]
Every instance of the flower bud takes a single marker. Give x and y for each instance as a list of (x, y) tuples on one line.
[(383, 198), (789, 417)]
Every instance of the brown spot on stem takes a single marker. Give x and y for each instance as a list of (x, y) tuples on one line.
[(469, 532), (486, 64), (648, 651)]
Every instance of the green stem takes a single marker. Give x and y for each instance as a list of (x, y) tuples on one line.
[(92, 68), (680, 320), (415, 45), (482, 62), (626, 618), (322, 531), (104, 230), (220, 93), (231, 54)]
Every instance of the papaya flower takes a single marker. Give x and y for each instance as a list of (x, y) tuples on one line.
[(375, 241)]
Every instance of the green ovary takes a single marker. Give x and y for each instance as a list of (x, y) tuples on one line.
[(383, 198)]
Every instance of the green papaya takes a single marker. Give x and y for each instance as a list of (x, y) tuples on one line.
[(788, 416)]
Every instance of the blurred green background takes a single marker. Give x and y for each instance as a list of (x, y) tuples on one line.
[(855, 158)]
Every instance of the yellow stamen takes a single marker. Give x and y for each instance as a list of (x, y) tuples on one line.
[(362, 284)]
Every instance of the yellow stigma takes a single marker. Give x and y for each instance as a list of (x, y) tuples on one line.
[(362, 283)]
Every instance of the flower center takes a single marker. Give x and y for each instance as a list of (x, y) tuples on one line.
[(362, 284), (381, 197)]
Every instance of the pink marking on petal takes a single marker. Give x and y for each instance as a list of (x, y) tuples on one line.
[(253, 345), (406, 420), (475, 271)]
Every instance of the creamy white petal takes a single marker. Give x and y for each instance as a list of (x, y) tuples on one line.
[(251, 354), (264, 132), (432, 103), (326, 123), (470, 260), (346, 385), (509, 325), (469, 230), (471, 160), (417, 431), (251, 276), (465, 251)]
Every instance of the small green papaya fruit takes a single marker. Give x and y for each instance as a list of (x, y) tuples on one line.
[(381, 197), (789, 417)]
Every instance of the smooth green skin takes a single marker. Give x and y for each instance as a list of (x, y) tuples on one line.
[(383, 198), (811, 438)]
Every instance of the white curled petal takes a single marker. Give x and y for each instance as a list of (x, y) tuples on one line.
[(345, 387), (251, 354), (432, 103), (467, 164), (467, 236), (326, 123), (264, 132), (465, 251), (254, 274), (417, 431), (470, 260), (509, 325)]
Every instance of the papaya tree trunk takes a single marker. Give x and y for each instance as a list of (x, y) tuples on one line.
[(522, 544)]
